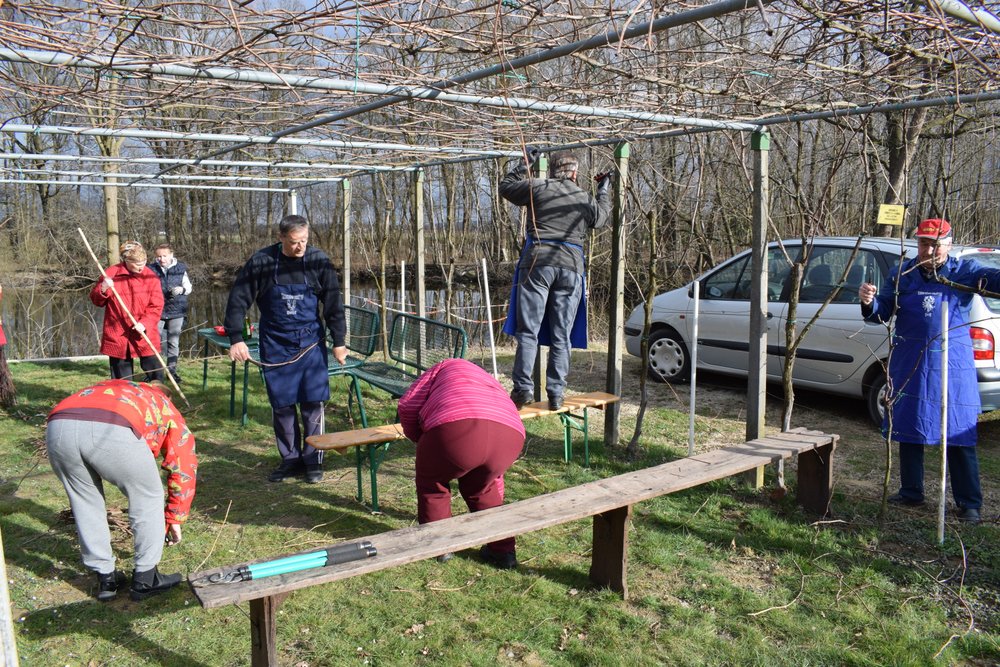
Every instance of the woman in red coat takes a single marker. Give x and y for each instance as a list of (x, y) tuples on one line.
[(140, 289)]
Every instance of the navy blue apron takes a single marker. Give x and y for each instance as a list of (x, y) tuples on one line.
[(289, 323), (578, 334)]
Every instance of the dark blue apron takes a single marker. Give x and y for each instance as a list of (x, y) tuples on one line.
[(578, 334), (289, 323)]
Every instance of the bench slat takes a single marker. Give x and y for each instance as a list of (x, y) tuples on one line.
[(420, 542), (391, 432), (594, 399), (357, 438)]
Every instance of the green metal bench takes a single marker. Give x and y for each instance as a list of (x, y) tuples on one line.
[(361, 339), (415, 344)]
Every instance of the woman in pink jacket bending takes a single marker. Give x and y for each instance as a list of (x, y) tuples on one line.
[(466, 428)]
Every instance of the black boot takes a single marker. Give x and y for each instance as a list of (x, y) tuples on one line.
[(108, 584), (151, 582), (172, 367)]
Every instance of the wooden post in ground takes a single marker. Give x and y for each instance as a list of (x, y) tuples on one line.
[(616, 313), (345, 239), (420, 284), (760, 144)]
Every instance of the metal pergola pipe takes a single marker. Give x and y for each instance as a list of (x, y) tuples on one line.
[(948, 100), (352, 86), (166, 186), (246, 140), (959, 10), (284, 164), (221, 177)]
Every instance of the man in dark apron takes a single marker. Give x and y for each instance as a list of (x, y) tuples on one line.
[(296, 291)]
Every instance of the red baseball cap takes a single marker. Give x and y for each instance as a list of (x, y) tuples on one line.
[(933, 228)]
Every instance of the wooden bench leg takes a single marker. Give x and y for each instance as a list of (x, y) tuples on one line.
[(263, 632), (815, 487), (609, 557)]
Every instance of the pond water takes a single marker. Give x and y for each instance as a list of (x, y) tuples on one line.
[(41, 323)]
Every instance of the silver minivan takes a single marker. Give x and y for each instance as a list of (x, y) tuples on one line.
[(842, 354)]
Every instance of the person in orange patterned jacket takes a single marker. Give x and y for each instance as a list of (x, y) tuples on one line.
[(142, 294), (114, 431)]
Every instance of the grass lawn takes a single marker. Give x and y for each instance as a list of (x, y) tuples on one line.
[(718, 575)]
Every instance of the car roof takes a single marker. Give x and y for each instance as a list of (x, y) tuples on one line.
[(880, 242), (960, 250)]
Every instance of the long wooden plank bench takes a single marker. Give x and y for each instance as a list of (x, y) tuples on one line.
[(608, 500), (376, 439)]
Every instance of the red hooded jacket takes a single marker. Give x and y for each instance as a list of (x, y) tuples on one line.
[(143, 296)]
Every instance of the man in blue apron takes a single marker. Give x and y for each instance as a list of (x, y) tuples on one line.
[(927, 285), (296, 291), (547, 305)]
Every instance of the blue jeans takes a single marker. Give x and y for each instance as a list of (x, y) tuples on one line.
[(552, 292), (963, 469), (170, 336)]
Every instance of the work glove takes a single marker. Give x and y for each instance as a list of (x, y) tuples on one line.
[(603, 182), (106, 285), (533, 154), (140, 327), (177, 291)]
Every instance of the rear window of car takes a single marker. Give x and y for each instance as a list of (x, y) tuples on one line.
[(991, 260)]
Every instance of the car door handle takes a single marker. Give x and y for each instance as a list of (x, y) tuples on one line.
[(770, 315)]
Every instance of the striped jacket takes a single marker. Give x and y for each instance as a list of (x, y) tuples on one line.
[(451, 390)]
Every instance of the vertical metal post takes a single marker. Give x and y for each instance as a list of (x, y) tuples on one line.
[(345, 239), (760, 144), (696, 288), (293, 202), (418, 234), (616, 313), (489, 316)]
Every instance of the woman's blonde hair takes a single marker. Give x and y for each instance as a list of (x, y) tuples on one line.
[(132, 251)]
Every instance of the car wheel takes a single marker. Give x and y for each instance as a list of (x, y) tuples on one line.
[(875, 398), (667, 359)]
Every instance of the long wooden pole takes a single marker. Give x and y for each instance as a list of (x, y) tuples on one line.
[(121, 302), (8, 642)]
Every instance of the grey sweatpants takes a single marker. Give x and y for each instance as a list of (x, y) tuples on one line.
[(83, 454)]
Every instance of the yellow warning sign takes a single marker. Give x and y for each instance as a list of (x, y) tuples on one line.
[(890, 214)]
